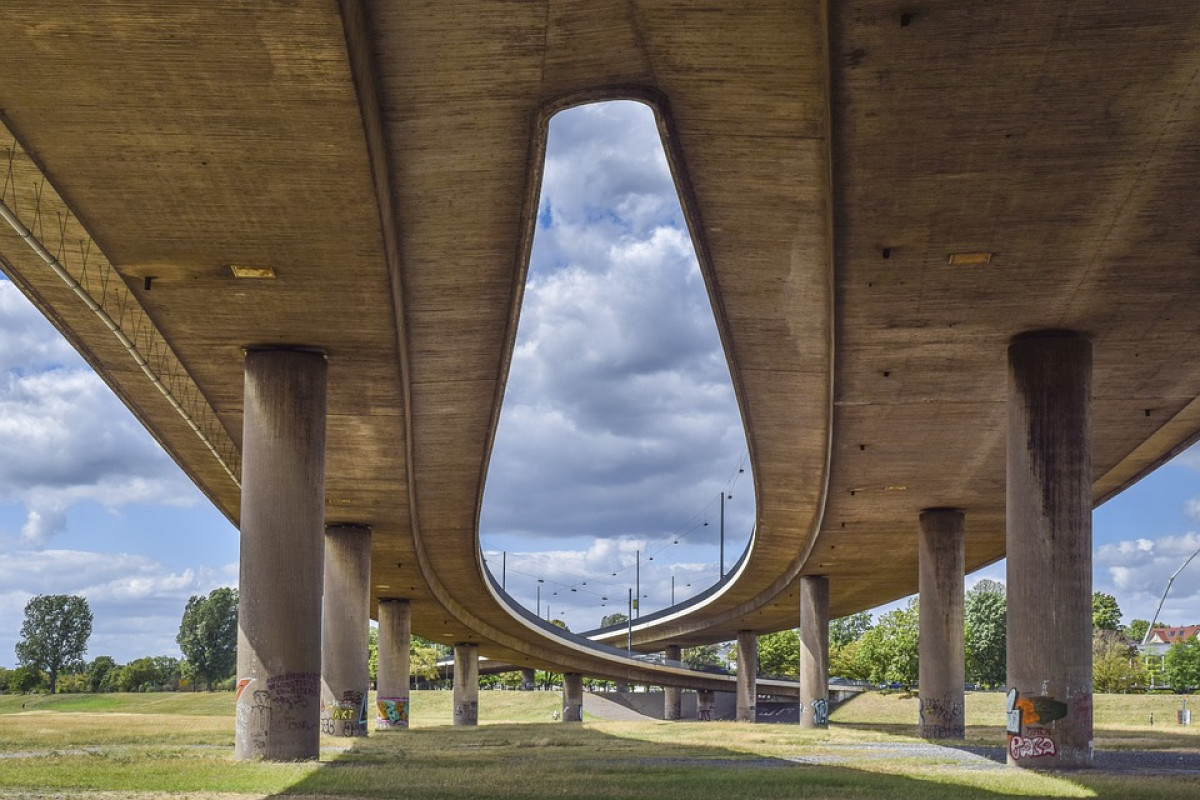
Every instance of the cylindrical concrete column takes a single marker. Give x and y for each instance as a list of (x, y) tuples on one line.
[(747, 676), (814, 651), (345, 650), (392, 665), (1049, 544), (466, 684), (528, 680), (672, 695), (942, 668), (706, 699), (572, 697), (283, 519)]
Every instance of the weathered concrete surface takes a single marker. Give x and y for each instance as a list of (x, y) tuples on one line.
[(392, 666), (282, 555), (747, 675), (1050, 550), (572, 697), (672, 695), (345, 657), (466, 684), (814, 651), (943, 659)]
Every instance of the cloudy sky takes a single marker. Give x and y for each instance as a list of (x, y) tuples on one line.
[(618, 435)]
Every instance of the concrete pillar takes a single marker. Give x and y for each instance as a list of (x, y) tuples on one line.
[(705, 700), (528, 680), (814, 651), (1049, 544), (392, 666), (672, 695), (345, 654), (283, 518), (747, 675), (942, 667), (572, 697), (466, 684)]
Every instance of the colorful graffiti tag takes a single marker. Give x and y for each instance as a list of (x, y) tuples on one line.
[(1029, 723), (391, 712)]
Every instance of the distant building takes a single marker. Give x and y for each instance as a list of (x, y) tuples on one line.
[(1161, 639)]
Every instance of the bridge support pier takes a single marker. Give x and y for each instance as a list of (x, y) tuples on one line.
[(393, 667), (466, 684), (283, 518), (814, 651), (1049, 544), (706, 700), (672, 695), (942, 668), (572, 697), (528, 680), (345, 677), (747, 676)]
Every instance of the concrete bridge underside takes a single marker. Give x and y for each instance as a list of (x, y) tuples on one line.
[(881, 200)]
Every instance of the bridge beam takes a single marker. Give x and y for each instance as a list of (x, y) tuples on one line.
[(672, 695), (466, 684), (345, 655), (1049, 545), (747, 676), (393, 667), (942, 667), (814, 651), (280, 574), (572, 697)]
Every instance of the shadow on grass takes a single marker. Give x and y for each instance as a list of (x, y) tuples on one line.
[(554, 760)]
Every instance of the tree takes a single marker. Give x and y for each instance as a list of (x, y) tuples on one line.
[(1135, 631), (985, 613), (55, 633), (98, 672), (844, 630), (1181, 666), (1106, 614), (779, 654), (1115, 665), (704, 657), (23, 680), (208, 635), (891, 648), (613, 619)]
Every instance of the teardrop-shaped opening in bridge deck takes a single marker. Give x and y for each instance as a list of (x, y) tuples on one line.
[(620, 431)]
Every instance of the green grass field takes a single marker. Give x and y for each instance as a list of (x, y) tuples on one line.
[(180, 745)]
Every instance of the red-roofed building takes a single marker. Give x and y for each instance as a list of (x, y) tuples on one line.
[(1162, 638)]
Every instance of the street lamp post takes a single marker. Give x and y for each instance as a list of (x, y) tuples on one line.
[(1171, 580)]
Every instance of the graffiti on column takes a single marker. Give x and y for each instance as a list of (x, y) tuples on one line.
[(345, 717), (467, 711), (941, 718), (391, 712), (820, 708), (1029, 723), (253, 721)]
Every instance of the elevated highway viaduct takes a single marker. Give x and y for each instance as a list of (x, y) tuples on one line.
[(951, 251)]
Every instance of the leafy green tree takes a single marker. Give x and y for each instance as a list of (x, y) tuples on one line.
[(54, 635), (844, 630), (848, 662), (1106, 614), (98, 671), (702, 657), (558, 623), (1115, 663), (1135, 631), (1181, 666), (208, 635), (985, 613), (24, 680), (613, 619), (891, 648), (373, 655), (779, 654)]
